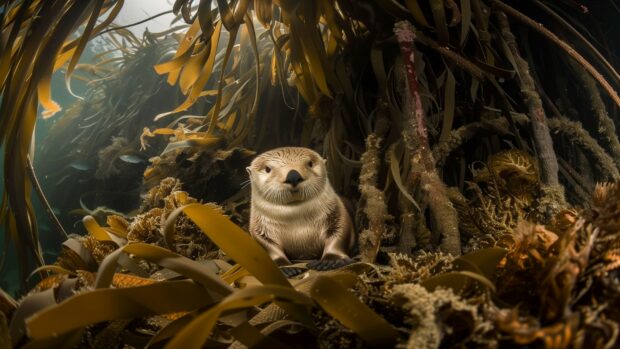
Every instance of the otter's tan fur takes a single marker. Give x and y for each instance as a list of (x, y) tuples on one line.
[(296, 222)]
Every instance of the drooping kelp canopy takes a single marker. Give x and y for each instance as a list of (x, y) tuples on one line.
[(37, 39), (445, 123), (100, 158)]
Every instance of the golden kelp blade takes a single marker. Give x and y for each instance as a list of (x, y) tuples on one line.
[(348, 309), (239, 246), (95, 230), (196, 332), (121, 303), (165, 258), (236, 243)]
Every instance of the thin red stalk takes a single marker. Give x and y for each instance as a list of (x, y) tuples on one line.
[(443, 214)]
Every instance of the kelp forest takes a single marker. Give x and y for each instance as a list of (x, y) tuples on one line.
[(473, 143)]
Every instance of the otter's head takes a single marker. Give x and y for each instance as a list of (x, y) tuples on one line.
[(288, 175)]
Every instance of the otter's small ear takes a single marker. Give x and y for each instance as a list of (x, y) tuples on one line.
[(325, 161), (249, 169)]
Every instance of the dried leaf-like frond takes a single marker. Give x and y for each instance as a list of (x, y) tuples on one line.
[(602, 193), (563, 222), (155, 196), (613, 260), (605, 214), (98, 249), (530, 241)]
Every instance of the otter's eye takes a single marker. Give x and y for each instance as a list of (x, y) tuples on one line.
[(267, 169), (310, 164)]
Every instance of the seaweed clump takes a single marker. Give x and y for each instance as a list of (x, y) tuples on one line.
[(157, 204), (505, 191), (550, 286), (553, 286), (87, 252), (564, 276), (438, 317)]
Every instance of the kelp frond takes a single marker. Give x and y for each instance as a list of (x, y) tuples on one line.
[(37, 40)]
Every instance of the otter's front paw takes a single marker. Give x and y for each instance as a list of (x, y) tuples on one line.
[(290, 272), (286, 269), (329, 264)]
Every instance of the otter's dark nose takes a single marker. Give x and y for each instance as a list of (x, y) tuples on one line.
[(293, 178)]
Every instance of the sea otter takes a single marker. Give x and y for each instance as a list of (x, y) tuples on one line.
[(295, 212)]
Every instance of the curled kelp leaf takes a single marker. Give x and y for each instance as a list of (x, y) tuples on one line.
[(201, 273), (118, 225), (346, 308), (75, 256), (195, 333), (526, 330), (110, 304)]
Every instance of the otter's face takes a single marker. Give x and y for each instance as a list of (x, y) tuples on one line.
[(288, 175)]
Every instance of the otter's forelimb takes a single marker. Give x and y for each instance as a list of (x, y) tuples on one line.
[(274, 250), (338, 240)]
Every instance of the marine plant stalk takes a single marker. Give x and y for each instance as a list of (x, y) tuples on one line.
[(43, 198), (443, 214), (375, 207), (605, 124), (540, 130), (547, 160)]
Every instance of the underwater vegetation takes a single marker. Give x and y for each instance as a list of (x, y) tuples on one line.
[(475, 140), (101, 161), (547, 284)]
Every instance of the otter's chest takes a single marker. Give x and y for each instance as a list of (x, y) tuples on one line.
[(299, 230), (302, 239)]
